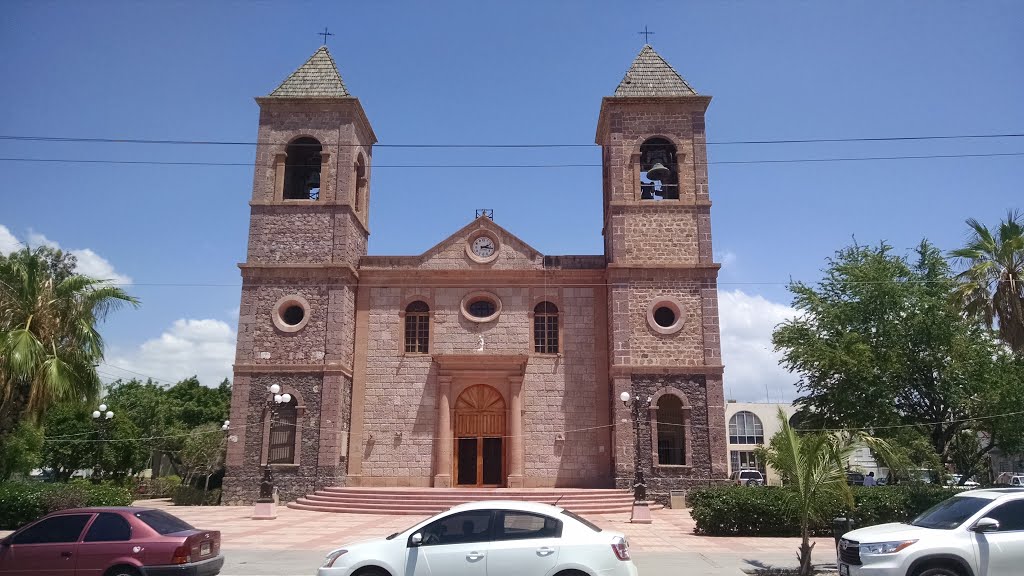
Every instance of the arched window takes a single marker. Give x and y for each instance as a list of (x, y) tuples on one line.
[(417, 327), (302, 170), (659, 171), (745, 428), (671, 431), (545, 328), (282, 434), (360, 190)]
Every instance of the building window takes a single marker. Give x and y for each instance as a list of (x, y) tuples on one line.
[(745, 428), (480, 307), (302, 169), (671, 431), (360, 189), (545, 328), (282, 434), (745, 460), (417, 327), (291, 313), (659, 178)]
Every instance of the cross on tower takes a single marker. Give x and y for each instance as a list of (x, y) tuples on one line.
[(325, 34), (646, 33)]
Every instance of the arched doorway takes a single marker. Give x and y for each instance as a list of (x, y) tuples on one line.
[(480, 437)]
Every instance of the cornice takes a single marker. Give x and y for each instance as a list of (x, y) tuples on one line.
[(247, 368), (666, 369)]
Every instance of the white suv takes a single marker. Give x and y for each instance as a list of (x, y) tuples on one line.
[(975, 533)]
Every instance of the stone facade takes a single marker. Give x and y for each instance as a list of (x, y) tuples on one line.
[(485, 403)]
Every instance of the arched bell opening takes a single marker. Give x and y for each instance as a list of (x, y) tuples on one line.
[(659, 170), (302, 169)]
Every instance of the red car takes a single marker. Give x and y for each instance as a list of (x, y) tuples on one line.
[(110, 542)]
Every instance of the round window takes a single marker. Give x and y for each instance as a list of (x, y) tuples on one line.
[(664, 317), (481, 307), (291, 313)]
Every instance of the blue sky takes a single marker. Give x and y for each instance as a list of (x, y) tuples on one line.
[(515, 72)]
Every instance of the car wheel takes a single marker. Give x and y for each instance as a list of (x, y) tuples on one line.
[(372, 571), (939, 571), (122, 571)]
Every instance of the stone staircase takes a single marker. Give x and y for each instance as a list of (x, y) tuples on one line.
[(429, 501)]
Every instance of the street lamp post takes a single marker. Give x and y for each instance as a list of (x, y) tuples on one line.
[(100, 417), (266, 507), (641, 513)]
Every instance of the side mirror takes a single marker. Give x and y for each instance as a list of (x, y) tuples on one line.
[(415, 540), (986, 525)]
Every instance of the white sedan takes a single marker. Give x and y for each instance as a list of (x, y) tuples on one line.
[(490, 538)]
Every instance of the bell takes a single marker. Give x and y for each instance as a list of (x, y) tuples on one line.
[(658, 172), (313, 180)]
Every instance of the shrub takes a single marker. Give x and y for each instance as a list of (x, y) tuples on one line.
[(743, 511), (162, 487), (191, 496), (21, 503)]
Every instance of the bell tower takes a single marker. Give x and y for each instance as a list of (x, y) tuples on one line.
[(308, 228), (662, 281)]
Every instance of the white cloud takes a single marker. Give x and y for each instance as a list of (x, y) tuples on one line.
[(8, 242), (726, 258), (89, 263), (751, 365), (93, 265), (204, 348)]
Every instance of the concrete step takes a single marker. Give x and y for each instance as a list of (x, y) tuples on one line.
[(429, 501)]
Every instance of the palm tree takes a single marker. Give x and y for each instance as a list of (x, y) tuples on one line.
[(49, 345), (992, 286), (813, 469)]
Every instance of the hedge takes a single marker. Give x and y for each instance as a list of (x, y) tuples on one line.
[(191, 496), (21, 503), (766, 511)]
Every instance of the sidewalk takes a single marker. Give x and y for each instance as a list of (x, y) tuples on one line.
[(671, 532)]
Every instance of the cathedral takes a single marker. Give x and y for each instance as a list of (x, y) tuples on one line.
[(480, 362)]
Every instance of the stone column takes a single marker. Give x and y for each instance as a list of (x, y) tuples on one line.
[(515, 432), (443, 444)]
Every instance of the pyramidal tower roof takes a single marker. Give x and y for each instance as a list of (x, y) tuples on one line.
[(651, 75), (317, 78)]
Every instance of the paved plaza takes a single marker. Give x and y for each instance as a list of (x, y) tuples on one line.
[(295, 542)]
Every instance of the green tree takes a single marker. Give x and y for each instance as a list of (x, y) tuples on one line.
[(20, 451), (202, 453), (68, 446), (49, 345), (881, 342), (992, 286)]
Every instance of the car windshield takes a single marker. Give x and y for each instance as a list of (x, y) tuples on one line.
[(949, 514), (163, 522), (392, 536)]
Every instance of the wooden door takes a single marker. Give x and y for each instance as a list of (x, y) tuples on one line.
[(479, 437)]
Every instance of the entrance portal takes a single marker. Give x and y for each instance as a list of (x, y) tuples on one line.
[(480, 437)]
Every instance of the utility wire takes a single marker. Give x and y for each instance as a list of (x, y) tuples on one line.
[(26, 138), (493, 166)]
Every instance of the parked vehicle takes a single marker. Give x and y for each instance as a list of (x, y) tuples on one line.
[(854, 478), (954, 480), (496, 538), (747, 478), (110, 542), (979, 532), (1012, 479)]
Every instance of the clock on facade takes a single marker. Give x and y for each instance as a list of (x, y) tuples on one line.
[(483, 248)]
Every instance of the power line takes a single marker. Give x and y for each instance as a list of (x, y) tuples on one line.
[(495, 166), (74, 139)]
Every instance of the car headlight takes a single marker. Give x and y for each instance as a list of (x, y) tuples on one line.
[(332, 557), (884, 547)]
